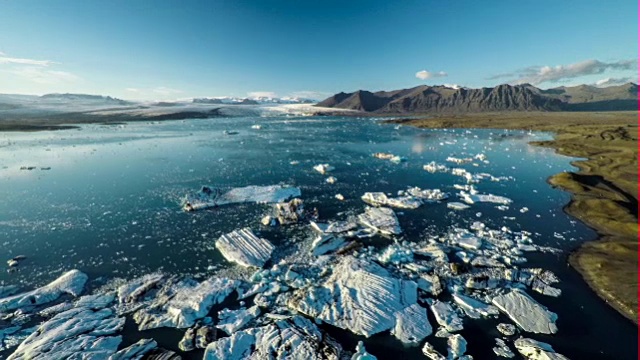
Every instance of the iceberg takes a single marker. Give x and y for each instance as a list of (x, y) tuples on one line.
[(180, 305), (537, 350), (380, 219), (527, 313), (426, 195), (456, 346), (79, 332), (490, 198), (245, 248), (135, 351), (289, 212), (234, 320), (359, 296), (324, 244), (209, 197), (446, 316), (431, 353), (362, 354), (457, 206), (412, 325), (474, 308), (434, 167), (502, 349), (72, 283), (294, 338)]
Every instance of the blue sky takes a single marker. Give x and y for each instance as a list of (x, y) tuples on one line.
[(177, 49)]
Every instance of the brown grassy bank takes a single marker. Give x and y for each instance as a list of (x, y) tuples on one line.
[(604, 190)]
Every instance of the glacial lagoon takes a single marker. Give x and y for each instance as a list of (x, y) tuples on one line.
[(108, 200)]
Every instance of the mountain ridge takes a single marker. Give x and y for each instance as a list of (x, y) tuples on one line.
[(524, 97)]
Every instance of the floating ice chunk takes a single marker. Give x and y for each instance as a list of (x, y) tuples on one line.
[(536, 350), (323, 168), (433, 251), (135, 351), (339, 197), (483, 261), (361, 353), (527, 313), (506, 329), (359, 295), (331, 180), (294, 338), (245, 248), (234, 320), (446, 316), (431, 353), (324, 244), (72, 282), (396, 254), (380, 199), (459, 161), (7, 290), (474, 308), (256, 127), (456, 346), (182, 304), (412, 325), (383, 156), (466, 240), (6, 332), (434, 167), (80, 332), (380, 219), (502, 349), (397, 159), (457, 206), (430, 284), (209, 197), (426, 195), (474, 198)]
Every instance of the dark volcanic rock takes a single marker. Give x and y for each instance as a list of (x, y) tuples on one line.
[(526, 97)]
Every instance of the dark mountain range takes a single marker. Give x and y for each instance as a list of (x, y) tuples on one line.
[(442, 99)]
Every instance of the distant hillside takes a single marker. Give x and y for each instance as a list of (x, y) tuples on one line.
[(85, 97), (442, 99)]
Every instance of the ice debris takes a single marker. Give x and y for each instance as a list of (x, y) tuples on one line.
[(209, 197), (431, 353), (506, 329), (135, 351), (456, 346), (502, 349), (434, 167), (457, 206), (245, 248), (324, 244), (474, 308)]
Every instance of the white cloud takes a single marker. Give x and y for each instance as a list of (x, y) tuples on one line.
[(163, 90), (40, 75), (135, 90), (424, 74), (613, 81), (257, 94), (453, 86), (18, 61), (540, 74)]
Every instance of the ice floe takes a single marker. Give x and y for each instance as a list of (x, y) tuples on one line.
[(380, 199), (234, 320), (323, 168), (446, 316), (456, 346), (245, 248), (361, 353)]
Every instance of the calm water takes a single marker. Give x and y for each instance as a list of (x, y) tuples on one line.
[(109, 205)]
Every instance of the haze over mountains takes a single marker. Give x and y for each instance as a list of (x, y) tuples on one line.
[(441, 99)]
